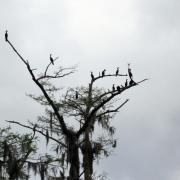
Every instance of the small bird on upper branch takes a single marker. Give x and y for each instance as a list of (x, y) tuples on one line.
[(6, 35), (129, 72), (118, 89), (103, 72), (92, 76), (76, 95), (131, 82), (126, 83), (117, 71), (113, 88), (51, 59)]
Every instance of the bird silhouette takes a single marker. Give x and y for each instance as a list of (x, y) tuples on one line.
[(117, 71), (51, 59), (103, 72), (118, 88), (92, 76), (129, 72), (76, 95), (126, 83), (6, 35), (131, 82), (113, 88)]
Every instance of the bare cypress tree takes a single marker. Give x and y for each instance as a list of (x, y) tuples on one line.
[(86, 106)]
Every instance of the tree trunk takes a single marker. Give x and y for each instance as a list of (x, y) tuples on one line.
[(87, 152), (73, 157)]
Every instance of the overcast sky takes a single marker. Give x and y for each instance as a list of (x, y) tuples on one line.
[(98, 34)]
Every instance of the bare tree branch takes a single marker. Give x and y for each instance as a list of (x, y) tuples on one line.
[(60, 118), (113, 110), (49, 66), (25, 62), (32, 128), (96, 108), (108, 75), (57, 74)]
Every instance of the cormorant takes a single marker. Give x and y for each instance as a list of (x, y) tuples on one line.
[(118, 88), (92, 76), (114, 144), (113, 88), (6, 35), (129, 72), (103, 73), (76, 95), (131, 82), (117, 71), (126, 83), (51, 59)]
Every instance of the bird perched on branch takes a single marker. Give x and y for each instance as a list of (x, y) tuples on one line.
[(118, 89), (76, 95), (126, 83), (129, 72), (6, 35), (131, 82), (117, 71), (51, 59), (103, 72), (92, 76), (113, 88)]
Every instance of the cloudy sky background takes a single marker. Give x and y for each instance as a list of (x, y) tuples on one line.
[(100, 34)]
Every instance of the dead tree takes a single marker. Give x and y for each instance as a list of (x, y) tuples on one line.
[(92, 105)]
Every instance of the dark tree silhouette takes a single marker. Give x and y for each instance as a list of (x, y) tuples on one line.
[(93, 106), (15, 151)]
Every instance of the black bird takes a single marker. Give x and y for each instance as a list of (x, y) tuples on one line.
[(114, 144), (117, 71), (126, 83), (76, 95), (103, 72), (51, 59), (118, 88), (129, 72), (92, 76), (113, 88), (6, 35), (131, 82)]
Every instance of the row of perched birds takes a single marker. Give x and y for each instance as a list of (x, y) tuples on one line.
[(102, 74), (6, 39), (131, 82), (118, 88)]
